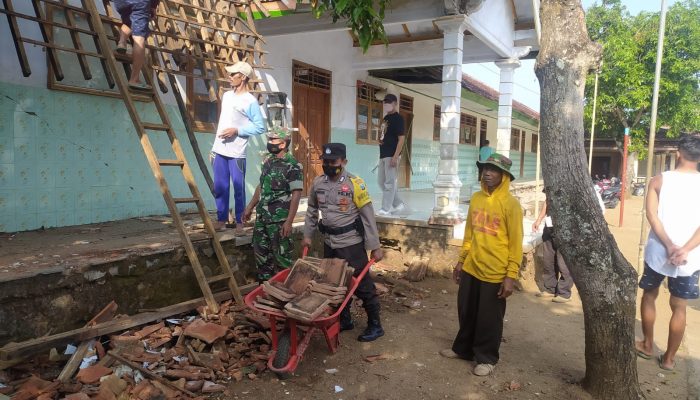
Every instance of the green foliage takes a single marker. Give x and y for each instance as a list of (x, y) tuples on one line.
[(364, 17), (627, 74)]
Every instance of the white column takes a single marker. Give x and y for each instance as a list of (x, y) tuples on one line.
[(447, 183), (505, 105)]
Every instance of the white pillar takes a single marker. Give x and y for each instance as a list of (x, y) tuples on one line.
[(505, 105), (447, 183)]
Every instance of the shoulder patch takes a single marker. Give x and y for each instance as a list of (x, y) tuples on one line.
[(360, 195)]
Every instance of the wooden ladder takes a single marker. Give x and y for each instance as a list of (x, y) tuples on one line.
[(157, 164)]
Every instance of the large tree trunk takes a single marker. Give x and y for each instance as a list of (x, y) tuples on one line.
[(605, 280)]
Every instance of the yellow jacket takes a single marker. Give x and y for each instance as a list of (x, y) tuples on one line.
[(493, 236)]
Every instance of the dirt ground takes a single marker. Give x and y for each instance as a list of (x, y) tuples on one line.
[(542, 356)]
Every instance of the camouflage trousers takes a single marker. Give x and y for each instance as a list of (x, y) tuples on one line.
[(272, 252)]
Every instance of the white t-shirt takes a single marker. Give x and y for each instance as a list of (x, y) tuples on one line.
[(679, 213), (240, 111)]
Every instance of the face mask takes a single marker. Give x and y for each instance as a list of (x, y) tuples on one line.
[(332, 171), (388, 108), (273, 148)]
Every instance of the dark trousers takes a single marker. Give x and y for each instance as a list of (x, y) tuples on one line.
[(356, 256), (555, 275), (481, 315)]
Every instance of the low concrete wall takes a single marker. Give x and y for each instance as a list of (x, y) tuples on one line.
[(66, 298)]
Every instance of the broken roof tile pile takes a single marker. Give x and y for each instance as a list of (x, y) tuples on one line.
[(176, 358), (311, 288)]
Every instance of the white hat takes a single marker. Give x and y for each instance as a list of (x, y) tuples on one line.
[(242, 67)]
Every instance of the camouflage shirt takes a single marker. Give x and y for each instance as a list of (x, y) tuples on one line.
[(278, 178)]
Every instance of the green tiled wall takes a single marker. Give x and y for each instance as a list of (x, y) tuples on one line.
[(70, 159)]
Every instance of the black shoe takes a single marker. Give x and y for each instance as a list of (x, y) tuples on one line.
[(346, 323), (373, 331)]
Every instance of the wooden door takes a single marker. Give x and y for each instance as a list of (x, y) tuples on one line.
[(311, 115)]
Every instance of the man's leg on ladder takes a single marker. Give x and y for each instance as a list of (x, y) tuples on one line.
[(222, 188), (237, 167)]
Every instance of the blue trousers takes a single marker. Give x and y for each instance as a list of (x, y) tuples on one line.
[(227, 169)]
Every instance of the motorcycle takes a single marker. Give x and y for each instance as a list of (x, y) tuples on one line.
[(611, 196)]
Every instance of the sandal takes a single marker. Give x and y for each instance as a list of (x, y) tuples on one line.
[(660, 360), (641, 353)]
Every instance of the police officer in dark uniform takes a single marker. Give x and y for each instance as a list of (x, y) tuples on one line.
[(349, 229)]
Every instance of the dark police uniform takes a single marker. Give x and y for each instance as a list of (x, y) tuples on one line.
[(349, 229)]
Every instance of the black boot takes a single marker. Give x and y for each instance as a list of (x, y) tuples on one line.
[(374, 328), (346, 323)]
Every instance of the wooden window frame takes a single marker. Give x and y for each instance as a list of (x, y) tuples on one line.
[(515, 139), (192, 98), (467, 125), (82, 86), (373, 104), (437, 113)]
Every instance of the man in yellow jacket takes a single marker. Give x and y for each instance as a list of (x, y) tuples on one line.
[(488, 266)]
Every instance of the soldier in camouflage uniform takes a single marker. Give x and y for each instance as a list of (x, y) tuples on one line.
[(276, 201)]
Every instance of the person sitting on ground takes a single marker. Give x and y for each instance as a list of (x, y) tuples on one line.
[(673, 248), (135, 15), (276, 200), (488, 266)]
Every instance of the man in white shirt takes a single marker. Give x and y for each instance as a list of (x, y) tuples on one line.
[(673, 248), (240, 118)]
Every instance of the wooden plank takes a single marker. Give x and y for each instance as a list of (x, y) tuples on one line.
[(52, 46), (148, 373), (105, 68), (19, 47), (53, 57), (18, 351), (75, 360), (46, 22), (75, 38)]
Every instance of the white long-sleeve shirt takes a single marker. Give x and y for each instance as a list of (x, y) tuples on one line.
[(240, 111)]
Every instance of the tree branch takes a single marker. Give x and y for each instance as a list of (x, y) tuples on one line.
[(621, 116)]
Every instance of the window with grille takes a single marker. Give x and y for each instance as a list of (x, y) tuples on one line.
[(406, 103), (311, 77), (369, 114), (515, 139), (467, 129), (535, 139), (483, 128), (436, 122), (202, 104)]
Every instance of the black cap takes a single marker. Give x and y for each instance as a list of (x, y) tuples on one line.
[(390, 98), (333, 151)]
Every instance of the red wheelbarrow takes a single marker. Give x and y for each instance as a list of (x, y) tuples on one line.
[(289, 347)]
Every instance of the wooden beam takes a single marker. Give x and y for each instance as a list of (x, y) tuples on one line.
[(19, 47), (403, 39), (405, 30), (75, 37), (14, 351), (53, 57)]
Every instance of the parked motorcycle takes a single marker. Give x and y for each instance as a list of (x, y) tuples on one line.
[(611, 196)]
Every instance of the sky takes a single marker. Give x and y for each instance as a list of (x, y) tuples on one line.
[(526, 89)]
